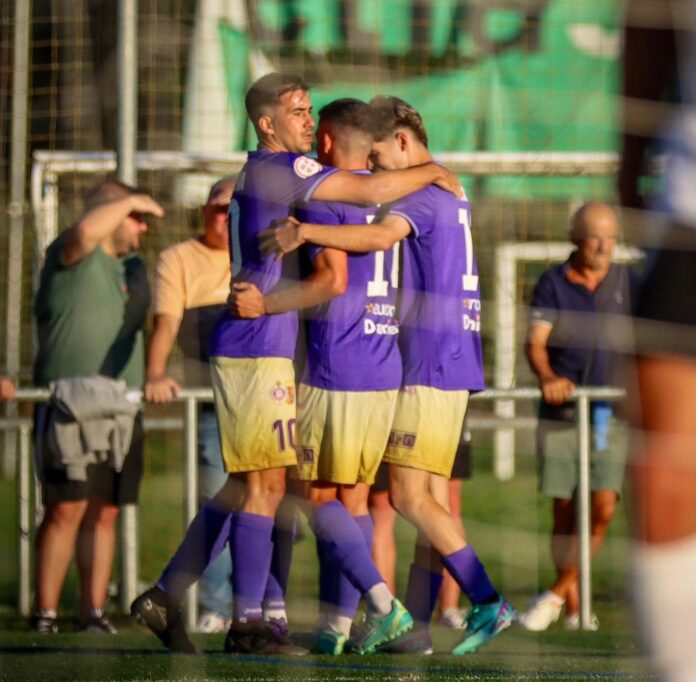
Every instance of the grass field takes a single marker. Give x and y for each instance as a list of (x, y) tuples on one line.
[(507, 522)]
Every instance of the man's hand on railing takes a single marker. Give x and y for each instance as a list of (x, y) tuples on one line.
[(556, 390), (161, 389), (7, 389)]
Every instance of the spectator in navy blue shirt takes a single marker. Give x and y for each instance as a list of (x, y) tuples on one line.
[(575, 313)]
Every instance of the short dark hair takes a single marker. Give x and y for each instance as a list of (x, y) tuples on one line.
[(349, 112), (391, 113), (267, 91)]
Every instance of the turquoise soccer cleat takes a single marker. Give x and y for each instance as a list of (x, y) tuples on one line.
[(483, 623), (378, 630)]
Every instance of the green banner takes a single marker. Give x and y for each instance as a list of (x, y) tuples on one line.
[(539, 79)]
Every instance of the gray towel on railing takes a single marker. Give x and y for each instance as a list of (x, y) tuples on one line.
[(92, 421)]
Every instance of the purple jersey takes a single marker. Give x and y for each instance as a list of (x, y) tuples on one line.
[(352, 339), (440, 337), (268, 187)]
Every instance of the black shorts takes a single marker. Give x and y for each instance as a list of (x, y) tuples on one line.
[(666, 306), (461, 468), (103, 482)]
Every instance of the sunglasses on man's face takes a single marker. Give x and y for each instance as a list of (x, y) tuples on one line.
[(136, 215)]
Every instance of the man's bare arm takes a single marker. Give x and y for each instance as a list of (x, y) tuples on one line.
[(329, 279), (385, 186), (100, 221), (160, 388), (555, 389), (290, 234)]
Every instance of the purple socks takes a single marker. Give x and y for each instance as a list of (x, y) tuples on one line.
[(471, 576), (203, 543), (252, 546), (252, 549), (343, 543), (283, 538), (334, 587)]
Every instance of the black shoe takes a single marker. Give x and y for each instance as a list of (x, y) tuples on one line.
[(153, 610), (260, 638), (40, 622), (99, 623)]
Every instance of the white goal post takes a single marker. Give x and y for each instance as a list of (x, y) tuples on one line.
[(48, 166)]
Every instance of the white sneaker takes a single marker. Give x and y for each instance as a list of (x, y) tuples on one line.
[(453, 618), (543, 611), (212, 622), (572, 622)]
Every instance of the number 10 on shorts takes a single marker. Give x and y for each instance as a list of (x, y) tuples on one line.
[(286, 433)]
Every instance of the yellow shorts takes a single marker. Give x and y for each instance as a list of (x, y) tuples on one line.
[(426, 429), (342, 435), (255, 406)]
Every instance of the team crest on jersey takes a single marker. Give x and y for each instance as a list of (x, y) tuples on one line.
[(305, 455), (305, 167), (283, 394), (402, 439)]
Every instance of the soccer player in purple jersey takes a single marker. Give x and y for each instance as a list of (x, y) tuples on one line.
[(441, 351), (252, 372), (345, 408)]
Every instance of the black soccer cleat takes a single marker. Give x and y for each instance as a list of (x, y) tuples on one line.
[(152, 609)]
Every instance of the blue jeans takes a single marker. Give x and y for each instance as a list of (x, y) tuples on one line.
[(215, 586)]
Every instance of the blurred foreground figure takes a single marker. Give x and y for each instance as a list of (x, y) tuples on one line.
[(660, 54), (574, 308)]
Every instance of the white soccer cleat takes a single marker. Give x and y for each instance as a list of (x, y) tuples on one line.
[(543, 611), (572, 622)]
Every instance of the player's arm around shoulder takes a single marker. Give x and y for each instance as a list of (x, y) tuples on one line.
[(290, 234), (385, 186), (377, 236)]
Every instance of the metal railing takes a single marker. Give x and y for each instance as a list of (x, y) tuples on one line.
[(192, 396)]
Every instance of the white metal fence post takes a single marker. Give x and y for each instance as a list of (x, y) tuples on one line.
[(191, 497), (583, 511)]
